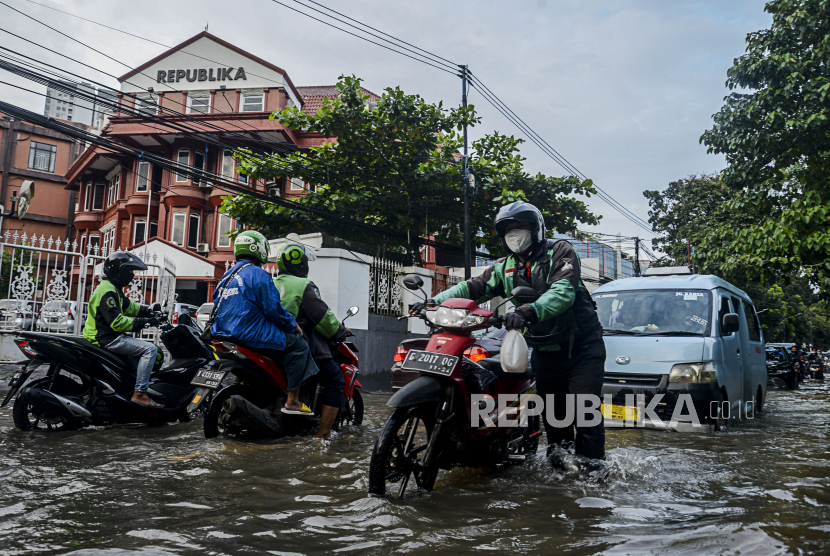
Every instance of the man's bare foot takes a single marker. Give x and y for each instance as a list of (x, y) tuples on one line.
[(295, 406), (141, 397), (326, 436)]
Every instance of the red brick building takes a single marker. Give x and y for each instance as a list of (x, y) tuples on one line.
[(234, 97)]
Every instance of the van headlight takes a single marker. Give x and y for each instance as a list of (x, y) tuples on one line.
[(693, 372), (454, 318)]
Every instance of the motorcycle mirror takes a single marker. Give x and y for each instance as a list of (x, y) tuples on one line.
[(352, 311), (156, 308), (524, 294), (413, 282)]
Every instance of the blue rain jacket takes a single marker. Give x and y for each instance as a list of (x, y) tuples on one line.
[(250, 311)]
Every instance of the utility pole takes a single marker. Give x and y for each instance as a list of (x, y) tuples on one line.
[(636, 256), (465, 187)]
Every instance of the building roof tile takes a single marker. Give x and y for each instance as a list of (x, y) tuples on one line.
[(314, 95)]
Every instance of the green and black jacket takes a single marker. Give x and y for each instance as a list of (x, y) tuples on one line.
[(564, 312), (111, 314), (302, 299)]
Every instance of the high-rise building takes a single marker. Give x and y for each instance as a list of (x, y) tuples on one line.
[(71, 103)]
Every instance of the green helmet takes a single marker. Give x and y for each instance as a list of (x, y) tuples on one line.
[(293, 259), (252, 244)]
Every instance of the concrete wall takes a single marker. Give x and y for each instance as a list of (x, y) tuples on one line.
[(377, 348)]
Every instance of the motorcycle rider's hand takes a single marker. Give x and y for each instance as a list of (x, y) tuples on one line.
[(514, 320), (418, 306), (349, 332), (153, 321), (299, 330)]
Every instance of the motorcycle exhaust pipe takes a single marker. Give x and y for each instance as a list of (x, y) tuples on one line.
[(238, 406), (57, 403)]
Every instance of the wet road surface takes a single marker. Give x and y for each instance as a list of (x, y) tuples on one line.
[(761, 487)]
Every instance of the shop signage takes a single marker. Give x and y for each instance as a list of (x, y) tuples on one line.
[(220, 74)]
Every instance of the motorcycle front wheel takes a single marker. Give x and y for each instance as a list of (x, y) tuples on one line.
[(399, 451), (352, 412)]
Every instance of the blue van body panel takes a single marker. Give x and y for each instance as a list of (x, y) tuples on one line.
[(694, 281), (651, 355)]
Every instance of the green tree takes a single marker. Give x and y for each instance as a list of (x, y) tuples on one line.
[(397, 166), (775, 135)]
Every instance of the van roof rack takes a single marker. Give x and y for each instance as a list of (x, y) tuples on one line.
[(667, 271)]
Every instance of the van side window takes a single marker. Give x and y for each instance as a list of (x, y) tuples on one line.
[(724, 309), (753, 326)]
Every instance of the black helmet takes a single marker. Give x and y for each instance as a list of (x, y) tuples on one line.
[(525, 213), (120, 266), (292, 258)]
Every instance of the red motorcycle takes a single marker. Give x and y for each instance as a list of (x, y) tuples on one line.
[(431, 426), (250, 406)]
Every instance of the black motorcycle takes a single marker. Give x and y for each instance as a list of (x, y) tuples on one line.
[(88, 385)]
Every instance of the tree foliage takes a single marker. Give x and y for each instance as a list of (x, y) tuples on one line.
[(396, 166), (775, 135)]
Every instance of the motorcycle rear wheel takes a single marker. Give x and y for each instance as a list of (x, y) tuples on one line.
[(399, 451), (27, 416), (212, 426)]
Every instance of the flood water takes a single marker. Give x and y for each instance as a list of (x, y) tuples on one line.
[(761, 487)]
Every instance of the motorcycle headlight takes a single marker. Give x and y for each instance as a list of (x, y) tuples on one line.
[(693, 373), (453, 318)]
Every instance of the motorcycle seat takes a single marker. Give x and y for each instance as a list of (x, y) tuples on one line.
[(493, 364), (129, 363)]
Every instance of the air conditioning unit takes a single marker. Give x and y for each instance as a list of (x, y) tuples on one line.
[(205, 184), (202, 247)]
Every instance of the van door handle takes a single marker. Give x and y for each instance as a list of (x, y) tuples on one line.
[(739, 351)]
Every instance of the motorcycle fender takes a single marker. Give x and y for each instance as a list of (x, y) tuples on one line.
[(422, 389), (18, 379), (198, 398), (71, 409)]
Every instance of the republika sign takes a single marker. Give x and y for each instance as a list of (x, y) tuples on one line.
[(222, 74)]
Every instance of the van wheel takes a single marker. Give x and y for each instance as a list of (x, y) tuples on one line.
[(759, 400), (720, 422)]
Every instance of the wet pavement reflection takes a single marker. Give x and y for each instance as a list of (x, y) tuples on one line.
[(761, 487)]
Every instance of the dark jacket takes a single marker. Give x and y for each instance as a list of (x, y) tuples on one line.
[(563, 314)]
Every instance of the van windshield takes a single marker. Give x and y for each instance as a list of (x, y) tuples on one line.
[(655, 312)]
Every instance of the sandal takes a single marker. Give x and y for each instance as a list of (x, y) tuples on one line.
[(305, 410), (151, 404)]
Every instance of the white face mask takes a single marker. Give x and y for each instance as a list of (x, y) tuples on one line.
[(518, 241)]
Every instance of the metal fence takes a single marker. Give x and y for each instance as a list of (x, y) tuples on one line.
[(47, 283), (385, 288)]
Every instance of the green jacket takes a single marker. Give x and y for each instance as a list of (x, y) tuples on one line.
[(320, 325), (564, 310), (110, 314)]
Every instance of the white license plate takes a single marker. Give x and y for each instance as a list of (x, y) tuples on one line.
[(429, 362), (208, 378)]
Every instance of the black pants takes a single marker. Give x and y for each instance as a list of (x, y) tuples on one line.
[(582, 373), (331, 379)]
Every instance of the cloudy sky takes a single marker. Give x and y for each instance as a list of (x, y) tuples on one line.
[(622, 89)]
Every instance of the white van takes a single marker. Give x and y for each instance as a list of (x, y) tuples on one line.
[(672, 335)]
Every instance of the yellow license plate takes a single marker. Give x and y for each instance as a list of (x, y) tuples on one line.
[(620, 412)]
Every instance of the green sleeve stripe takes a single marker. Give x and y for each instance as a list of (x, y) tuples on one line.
[(555, 301), (132, 309), (328, 326), (122, 324)]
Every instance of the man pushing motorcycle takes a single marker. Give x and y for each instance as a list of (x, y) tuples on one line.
[(562, 325), (249, 311), (111, 316), (319, 324)]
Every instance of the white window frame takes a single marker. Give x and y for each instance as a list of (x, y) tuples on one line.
[(97, 238), (190, 240), (261, 104), (112, 189), (297, 184), (139, 187), (222, 239), (181, 178), (202, 166), (227, 159), (103, 194), (87, 196), (143, 222), (176, 216), (82, 242), (38, 150), (142, 105), (190, 100)]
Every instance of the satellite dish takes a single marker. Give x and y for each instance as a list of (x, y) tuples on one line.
[(27, 193)]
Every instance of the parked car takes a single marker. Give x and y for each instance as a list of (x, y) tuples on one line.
[(203, 314), (27, 315), (8, 313), (780, 365), (487, 345), (182, 308), (681, 334), (59, 317)]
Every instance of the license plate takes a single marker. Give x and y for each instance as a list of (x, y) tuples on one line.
[(55, 319), (429, 362), (208, 378), (621, 412)]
